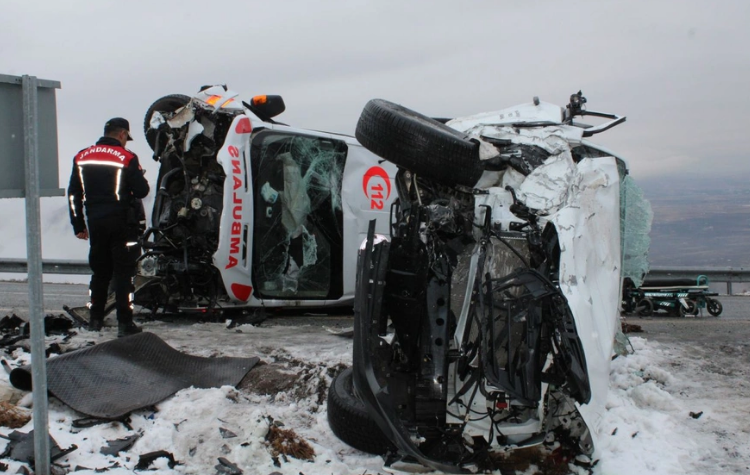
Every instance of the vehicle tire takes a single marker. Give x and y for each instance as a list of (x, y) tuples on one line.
[(168, 103), (714, 307), (645, 307), (349, 419), (691, 309), (419, 144)]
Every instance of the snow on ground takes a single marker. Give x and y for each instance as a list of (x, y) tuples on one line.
[(647, 429)]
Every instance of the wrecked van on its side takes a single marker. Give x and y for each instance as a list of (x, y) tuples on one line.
[(485, 319), (250, 212)]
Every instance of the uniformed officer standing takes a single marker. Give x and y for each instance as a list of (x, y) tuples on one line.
[(108, 180)]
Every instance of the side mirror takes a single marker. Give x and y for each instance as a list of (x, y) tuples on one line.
[(267, 107)]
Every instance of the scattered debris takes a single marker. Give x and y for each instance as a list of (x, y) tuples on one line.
[(287, 442), (79, 314), (53, 325), (226, 467), (147, 459), (12, 322), (226, 433), (21, 448), (696, 415), (631, 328), (85, 422), (114, 447), (347, 332), (12, 416), (14, 329)]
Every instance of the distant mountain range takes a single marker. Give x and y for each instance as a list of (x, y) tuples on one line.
[(699, 221)]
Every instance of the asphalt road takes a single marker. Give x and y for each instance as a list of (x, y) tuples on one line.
[(732, 327)]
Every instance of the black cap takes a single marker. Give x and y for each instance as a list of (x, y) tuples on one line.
[(118, 123)]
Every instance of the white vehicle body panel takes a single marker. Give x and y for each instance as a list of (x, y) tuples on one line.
[(232, 257), (582, 201)]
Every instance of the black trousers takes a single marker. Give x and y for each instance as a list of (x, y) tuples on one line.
[(112, 256)]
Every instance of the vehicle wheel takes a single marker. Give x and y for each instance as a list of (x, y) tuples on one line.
[(168, 103), (691, 309), (714, 307), (419, 144), (349, 420), (645, 308)]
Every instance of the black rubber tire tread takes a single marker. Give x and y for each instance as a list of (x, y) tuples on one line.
[(349, 420), (648, 308), (168, 103), (714, 307), (419, 144)]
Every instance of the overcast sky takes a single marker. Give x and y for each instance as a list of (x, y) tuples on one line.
[(679, 70)]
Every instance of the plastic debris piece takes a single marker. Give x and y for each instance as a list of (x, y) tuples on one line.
[(227, 467), (226, 433), (21, 448), (114, 447)]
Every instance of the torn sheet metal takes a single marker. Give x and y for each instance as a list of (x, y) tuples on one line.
[(589, 234), (582, 201), (116, 377), (541, 113), (21, 448)]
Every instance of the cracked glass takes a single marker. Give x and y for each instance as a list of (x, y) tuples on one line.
[(635, 217), (298, 228)]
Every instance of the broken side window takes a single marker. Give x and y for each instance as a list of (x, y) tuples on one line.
[(298, 226), (635, 226)]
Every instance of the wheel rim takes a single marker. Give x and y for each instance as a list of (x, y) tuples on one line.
[(690, 308), (714, 307)]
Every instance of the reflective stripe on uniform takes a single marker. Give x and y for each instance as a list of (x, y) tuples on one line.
[(100, 162)]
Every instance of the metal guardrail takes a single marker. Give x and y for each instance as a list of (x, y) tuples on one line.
[(49, 266), (728, 275)]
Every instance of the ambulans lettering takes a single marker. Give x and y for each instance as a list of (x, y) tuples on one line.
[(236, 227)]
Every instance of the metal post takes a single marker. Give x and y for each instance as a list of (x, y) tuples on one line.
[(729, 287), (36, 296)]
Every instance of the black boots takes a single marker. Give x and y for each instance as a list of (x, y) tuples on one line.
[(95, 324), (129, 328), (96, 320)]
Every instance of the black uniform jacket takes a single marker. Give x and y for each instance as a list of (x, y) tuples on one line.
[(106, 178)]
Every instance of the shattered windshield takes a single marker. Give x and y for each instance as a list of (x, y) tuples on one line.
[(298, 229)]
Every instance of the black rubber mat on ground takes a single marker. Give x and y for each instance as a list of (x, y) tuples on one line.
[(111, 379)]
